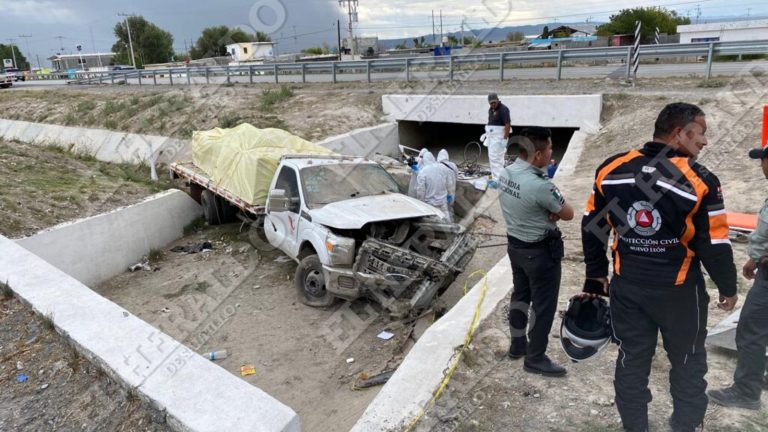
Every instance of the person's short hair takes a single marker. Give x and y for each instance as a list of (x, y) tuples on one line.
[(674, 115), (534, 138)]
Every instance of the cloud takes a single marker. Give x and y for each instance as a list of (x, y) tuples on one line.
[(39, 12)]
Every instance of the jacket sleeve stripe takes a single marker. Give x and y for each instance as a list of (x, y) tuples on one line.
[(682, 193), (612, 166), (701, 189), (718, 226)]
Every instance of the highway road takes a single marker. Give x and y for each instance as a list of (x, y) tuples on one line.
[(615, 71)]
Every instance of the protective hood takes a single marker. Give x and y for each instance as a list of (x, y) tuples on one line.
[(442, 155), (355, 213), (428, 159)]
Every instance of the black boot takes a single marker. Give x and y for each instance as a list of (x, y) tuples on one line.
[(517, 348), (544, 366), (732, 397)]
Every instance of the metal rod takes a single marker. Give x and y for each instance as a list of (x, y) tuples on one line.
[(559, 65), (170, 75), (276, 79), (227, 70), (368, 70), (450, 68), (407, 70), (303, 72), (333, 68), (709, 61), (250, 74), (154, 78), (501, 67), (189, 79), (629, 62)]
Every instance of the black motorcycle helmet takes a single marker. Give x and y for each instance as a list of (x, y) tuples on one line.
[(586, 327)]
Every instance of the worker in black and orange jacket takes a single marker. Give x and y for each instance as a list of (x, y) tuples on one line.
[(666, 216)]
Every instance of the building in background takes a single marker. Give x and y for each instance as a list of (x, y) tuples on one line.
[(363, 46), (732, 31), (251, 51), (97, 62)]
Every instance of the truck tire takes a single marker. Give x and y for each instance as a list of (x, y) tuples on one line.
[(310, 283), (212, 208)]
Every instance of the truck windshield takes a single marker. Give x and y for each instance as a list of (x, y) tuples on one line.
[(325, 184)]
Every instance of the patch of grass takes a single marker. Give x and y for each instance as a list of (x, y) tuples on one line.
[(155, 256), (70, 119), (230, 120), (229, 84), (5, 291), (705, 101), (112, 107), (47, 320), (134, 100), (194, 226), (757, 73), (270, 98), (713, 83), (129, 112), (151, 101), (110, 123), (86, 106), (74, 359)]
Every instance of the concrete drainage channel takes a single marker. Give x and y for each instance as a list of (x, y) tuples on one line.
[(200, 395)]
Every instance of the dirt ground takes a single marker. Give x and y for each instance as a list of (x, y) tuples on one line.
[(45, 186), (62, 391), (490, 392), (301, 354)]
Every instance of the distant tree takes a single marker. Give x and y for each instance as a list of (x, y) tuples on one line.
[(261, 37), (515, 36), (313, 51), (21, 61), (545, 33), (401, 46), (453, 40), (151, 44), (468, 40), (651, 17), (214, 40)]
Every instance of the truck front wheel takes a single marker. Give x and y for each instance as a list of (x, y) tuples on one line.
[(310, 283)]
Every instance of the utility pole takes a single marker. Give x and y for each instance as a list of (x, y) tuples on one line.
[(698, 12), (441, 27), (338, 39), (93, 45), (29, 51), (352, 12), (13, 53), (130, 41), (61, 44)]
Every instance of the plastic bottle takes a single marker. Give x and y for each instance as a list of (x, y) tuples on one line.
[(216, 355)]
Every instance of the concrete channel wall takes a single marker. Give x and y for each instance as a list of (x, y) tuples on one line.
[(195, 394), (382, 139), (97, 248)]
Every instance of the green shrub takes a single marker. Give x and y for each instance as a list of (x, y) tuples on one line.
[(270, 98), (86, 106)]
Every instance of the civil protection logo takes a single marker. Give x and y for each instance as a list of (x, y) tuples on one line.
[(644, 219)]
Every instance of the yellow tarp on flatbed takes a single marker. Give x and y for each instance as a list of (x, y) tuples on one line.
[(244, 159)]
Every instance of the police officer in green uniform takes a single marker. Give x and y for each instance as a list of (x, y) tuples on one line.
[(752, 330), (532, 205)]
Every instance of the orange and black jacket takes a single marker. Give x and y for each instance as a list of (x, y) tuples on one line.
[(666, 214)]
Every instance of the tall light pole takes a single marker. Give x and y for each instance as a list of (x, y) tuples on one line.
[(13, 52), (130, 41), (352, 12), (29, 51)]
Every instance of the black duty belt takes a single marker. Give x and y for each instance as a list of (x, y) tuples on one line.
[(517, 243)]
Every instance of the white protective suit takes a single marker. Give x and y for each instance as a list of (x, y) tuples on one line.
[(497, 149), (431, 184), (415, 173), (451, 173)]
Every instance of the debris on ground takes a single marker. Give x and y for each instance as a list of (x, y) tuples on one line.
[(247, 369), (193, 248), (375, 380)]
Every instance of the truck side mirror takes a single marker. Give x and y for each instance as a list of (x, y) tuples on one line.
[(278, 201)]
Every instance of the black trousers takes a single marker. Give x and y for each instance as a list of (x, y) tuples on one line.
[(536, 278), (638, 313), (752, 339)]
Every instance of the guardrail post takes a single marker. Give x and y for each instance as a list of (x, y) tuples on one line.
[(333, 70), (101, 76), (303, 72), (154, 78), (501, 66), (207, 75), (450, 68), (710, 54), (112, 78), (368, 70), (227, 71), (125, 78), (138, 74), (250, 74), (189, 79), (407, 69), (276, 79), (170, 75), (559, 64), (629, 63)]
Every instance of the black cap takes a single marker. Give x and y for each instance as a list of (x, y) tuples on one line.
[(759, 153), (493, 97)]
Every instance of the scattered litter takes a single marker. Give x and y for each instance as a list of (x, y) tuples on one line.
[(228, 250), (480, 184), (125, 314), (283, 259), (506, 404), (244, 249), (140, 266), (247, 369), (350, 360), (193, 248), (593, 412), (536, 395), (44, 386), (375, 380), (216, 355), (21, 378), (59, 365), (256, 286), (165, 310), (385, 335), (19, 365)]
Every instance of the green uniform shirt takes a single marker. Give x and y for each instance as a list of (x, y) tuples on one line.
[(758, 240), (527, 198)]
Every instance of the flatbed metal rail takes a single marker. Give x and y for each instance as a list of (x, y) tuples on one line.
[(197, 177)]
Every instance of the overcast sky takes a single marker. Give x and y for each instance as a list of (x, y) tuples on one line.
[(298, 24)]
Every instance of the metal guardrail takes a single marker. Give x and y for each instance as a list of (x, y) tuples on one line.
[(451, 64)]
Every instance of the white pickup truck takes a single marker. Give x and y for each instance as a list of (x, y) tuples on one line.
[(351, 231), (5, 80)]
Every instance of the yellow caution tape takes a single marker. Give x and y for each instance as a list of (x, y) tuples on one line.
[(453, 364)]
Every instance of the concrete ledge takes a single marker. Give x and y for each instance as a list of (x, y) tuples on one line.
[(567, 165), (581, 111), (97, 248), (382, 139), (104, 145), (195, 394), (411, 387)]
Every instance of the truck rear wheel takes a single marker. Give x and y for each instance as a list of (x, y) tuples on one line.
[(310, 283), (213, 209)]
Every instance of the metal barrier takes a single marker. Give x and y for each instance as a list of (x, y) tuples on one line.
[(447, 64)]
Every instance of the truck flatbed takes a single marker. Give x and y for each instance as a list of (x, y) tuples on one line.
[(196, 176)]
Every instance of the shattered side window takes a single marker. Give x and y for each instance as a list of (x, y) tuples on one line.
[(325, 184)]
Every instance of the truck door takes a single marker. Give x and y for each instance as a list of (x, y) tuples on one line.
[(281, 226)]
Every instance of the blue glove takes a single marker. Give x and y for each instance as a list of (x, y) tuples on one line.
[(450, 199), (415, 168)]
